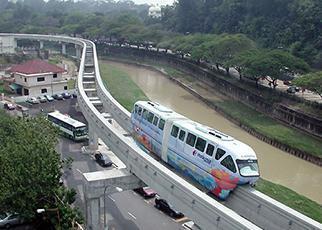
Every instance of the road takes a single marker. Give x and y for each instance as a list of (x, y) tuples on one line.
[(125, 210)]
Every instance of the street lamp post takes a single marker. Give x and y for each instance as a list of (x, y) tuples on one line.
[(105, 188)]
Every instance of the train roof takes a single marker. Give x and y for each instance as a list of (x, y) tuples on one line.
[(238, 149), (67, 119), (160, 110)]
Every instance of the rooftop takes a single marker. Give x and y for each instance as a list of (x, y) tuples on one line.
[(35, 67)]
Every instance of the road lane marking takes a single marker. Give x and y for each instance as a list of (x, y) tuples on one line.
[(130, 214)]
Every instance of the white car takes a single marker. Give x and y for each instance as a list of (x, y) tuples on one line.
[(49, 98), (33, 100)]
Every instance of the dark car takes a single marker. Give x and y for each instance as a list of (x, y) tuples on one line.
[(103, 160), (164, 206), (293, 89), (58, 96), (9, 106), (74, 95), (66, 95), (146, 192)]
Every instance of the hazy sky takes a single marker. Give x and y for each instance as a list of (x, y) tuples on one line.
[(160, 2)]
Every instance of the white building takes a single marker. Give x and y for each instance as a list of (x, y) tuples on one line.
[(37, 77), (7, 45), (155, 11)]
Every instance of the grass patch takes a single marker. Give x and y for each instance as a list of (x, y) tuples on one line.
[(120, 85), (270, 128), (71, 83), (291, 199)]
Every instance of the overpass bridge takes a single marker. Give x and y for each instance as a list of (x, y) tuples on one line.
[(246, 208)]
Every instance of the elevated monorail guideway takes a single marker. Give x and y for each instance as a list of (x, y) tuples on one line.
[(98, 107)]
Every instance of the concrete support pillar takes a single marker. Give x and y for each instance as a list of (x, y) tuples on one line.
[(63, 48), (41, 45), (93, 213), (93, 139), (78, 51)]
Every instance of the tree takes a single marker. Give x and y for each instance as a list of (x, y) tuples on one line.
[(30, 168), (311, 81)]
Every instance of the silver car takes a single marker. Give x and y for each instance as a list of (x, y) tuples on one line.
[(8, 220), (49, 98)]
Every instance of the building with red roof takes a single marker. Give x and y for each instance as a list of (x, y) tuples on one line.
[(37, 77)]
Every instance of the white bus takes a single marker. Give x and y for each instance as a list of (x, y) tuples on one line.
[(70, 127)]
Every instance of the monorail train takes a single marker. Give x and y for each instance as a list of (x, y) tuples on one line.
[(217, 161)]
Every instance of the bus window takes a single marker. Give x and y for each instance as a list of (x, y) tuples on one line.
[(219, 153), (210, 150), (136, 109), (182, 135), (155, 120), (174, 131), (145, 114), (150, 117), (161, 124), (191, 139), (229, 163), (201, 144), (140, 111)]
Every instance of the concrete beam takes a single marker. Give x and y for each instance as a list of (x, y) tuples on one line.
[(93, 138), (102, 183)]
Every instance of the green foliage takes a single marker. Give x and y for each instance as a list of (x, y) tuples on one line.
[(311, 81), (30, 166)]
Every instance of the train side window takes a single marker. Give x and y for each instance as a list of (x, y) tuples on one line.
[(150, 117), (174, 131), (155, 120), (161, 124), (210, 150), (229, 163), (145, 114), (140, 111), (191, 139), (219, 153), (182, 135), (201, 144)]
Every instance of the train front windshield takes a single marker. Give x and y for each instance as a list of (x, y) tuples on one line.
[(248, 168)]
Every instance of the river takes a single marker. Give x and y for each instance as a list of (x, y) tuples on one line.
[(275, 165)]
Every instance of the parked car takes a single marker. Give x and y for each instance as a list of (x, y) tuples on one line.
[(49, 98), (32, 100), (164, 206), (58, 96), (42, 99), (74, 95), (103, 160), (8, 220), (293, 89), (146, 192), (9, 106), (66, 95)]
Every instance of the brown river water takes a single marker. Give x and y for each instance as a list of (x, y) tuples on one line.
[(275, 165)]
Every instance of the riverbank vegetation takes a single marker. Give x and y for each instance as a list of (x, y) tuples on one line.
[(113, 78)]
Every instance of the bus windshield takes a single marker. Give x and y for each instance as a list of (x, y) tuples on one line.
[(248, 167), (81, 131)]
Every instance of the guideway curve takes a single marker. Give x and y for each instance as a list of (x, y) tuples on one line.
[(207, 212)]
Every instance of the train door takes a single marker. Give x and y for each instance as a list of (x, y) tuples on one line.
[(181, 141), (173, 138)]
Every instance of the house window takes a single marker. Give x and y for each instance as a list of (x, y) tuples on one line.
[(40, 79), (25, 91), (55, 75), (25, 79), (43, 90), (65, 87)]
